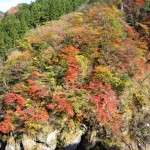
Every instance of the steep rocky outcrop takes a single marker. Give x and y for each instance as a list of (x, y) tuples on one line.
[(51, 140)]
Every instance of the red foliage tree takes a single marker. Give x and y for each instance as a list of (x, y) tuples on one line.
[(37, 92), (11, 99), (59, 104), (70, 54), (104, 99), (33, 115), (70, 51), (34, 75), (130, 31), (31, 82), (139, 2), (72, 71), (6, 126)]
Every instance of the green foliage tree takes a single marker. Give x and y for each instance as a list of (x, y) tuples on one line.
[(30, 16)]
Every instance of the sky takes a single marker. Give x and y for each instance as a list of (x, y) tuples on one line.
[(7, 4)]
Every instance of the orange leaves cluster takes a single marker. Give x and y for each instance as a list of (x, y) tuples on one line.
[(143, 69), (34, 75), (70, 51), (63, 105), (12, 98), (72, 71), (33, 115), (6, 126), (59, 104), (31, 82), (69, 54), (130, 31), (37, 92), (140, 2)]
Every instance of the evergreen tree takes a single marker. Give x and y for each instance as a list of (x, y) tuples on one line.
[(30, 16)]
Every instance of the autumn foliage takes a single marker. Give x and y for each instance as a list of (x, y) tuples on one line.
[(33, 115), (60, 104), (77, 69), (104, 99), (37, 92), (140, 2), (6, 126), (12, 98)]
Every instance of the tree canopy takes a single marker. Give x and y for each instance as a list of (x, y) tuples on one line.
[(13, 27)]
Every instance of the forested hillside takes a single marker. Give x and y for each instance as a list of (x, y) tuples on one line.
[(80, 81), (13, 27)]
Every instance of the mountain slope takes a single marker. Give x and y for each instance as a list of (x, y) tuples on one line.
[(84, 74)]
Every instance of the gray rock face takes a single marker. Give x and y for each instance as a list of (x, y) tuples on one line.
[(42, 147), (12, 145), (28, 143), (43, 141), (73, 144), (73, 139), (132, 145), (70, 141), (46, 141), (51, 140), (147, 147)]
